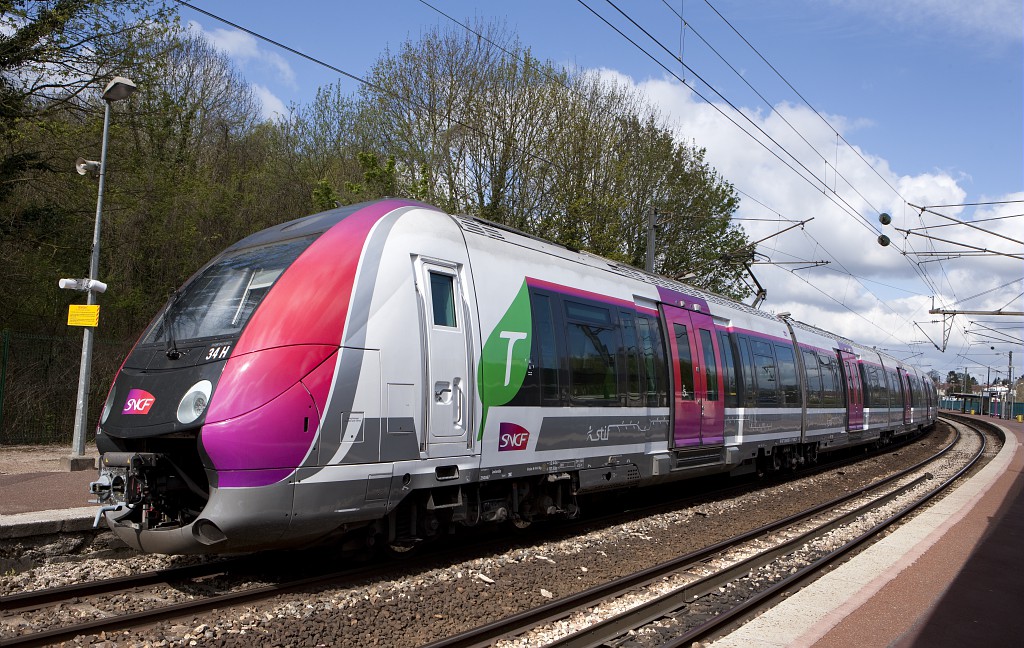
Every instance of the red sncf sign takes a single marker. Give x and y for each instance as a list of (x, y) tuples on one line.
[(138, 402), (512, 437)]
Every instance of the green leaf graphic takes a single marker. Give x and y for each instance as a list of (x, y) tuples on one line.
[(506, 355)]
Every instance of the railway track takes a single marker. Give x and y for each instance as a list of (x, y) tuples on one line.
[(695, 596), (28, 608)]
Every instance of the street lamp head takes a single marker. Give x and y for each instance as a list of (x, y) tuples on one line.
[(119, 88)]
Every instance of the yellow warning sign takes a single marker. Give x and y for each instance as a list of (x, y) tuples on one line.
[(83, 315)]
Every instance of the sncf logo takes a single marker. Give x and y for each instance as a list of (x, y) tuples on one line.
[(139, 401), (512, 437)]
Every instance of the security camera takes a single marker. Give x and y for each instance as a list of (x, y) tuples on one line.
[(85, 285), (87, 167)]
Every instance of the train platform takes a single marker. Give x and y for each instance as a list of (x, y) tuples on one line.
[(952, 576), (38, 495)]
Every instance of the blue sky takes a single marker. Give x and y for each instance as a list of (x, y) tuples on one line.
[(929, 92)]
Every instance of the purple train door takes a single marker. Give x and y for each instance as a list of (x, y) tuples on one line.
[(854, 392), (698, 411)]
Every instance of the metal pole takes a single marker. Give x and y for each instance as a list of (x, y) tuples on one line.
[(652, 223), (82, 406), (1011, 391), (3, 372), (988, 390)]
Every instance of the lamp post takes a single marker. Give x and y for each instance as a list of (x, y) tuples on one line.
[(118, 89)]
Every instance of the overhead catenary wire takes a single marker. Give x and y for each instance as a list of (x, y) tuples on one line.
[(804, 99), (848, 208), (771, 106), (821, 185), (918, 262)]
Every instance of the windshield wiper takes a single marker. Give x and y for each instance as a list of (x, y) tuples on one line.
[(172, 346)]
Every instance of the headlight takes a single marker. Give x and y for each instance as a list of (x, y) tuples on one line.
[(107, 406), (194, 403)]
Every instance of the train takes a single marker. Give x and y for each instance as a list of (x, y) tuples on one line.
[(385, 373)]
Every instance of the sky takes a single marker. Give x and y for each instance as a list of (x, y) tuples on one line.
[(831, 110)]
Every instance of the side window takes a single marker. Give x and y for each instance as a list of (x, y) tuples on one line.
[(765, 374), (630, 360), (865, 381), (788, 384), (747, 362), (655, 370), (710, 364), (442, 297), (685, 362), (813, 378), (829, 382), (879, 395), (545, 350), (593, 344), (729, 369)]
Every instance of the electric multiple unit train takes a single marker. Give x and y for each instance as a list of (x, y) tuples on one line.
[(387, 372)]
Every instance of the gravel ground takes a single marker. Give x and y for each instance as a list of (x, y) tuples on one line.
[(418, 602)]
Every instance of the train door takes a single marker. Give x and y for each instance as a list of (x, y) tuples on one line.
[(854, 391), (448, 378), (698, 409)]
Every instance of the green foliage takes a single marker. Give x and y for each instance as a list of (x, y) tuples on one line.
[(324, 196), (379, 181)]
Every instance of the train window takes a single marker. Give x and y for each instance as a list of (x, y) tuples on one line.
[(685, 388), (442, 297), (812, 375), (710, 364), (655, 370), (788, 383), (545, 350), (221, 299), (630, 360), (747, 363), (765, 372), (830, 394), (767, 384), (588, 313), (865, 380), (259, 283), (729, 369), (879, 395), (593, 348)]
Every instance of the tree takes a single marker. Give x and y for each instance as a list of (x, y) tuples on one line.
[(53, 55)]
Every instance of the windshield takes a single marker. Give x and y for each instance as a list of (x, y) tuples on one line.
[(219, 301)]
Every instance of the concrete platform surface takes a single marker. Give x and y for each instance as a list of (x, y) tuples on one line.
[(951, 577)]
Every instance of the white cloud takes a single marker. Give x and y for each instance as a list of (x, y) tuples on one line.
[(255, 62), (273, 107), (887, 296), (247, 51)]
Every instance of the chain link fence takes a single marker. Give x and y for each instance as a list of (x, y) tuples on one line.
[(39, 386)]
